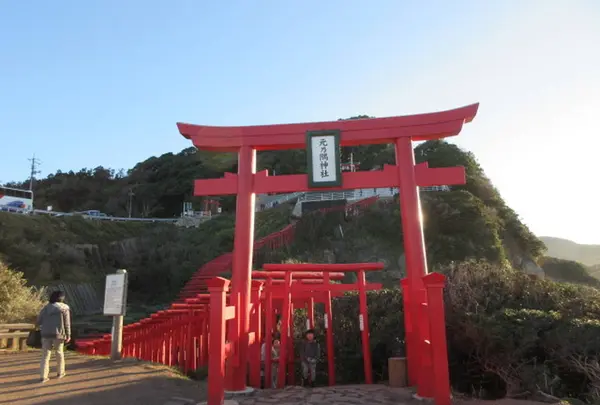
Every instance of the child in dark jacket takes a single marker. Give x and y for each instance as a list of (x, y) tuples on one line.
[(310, 352)]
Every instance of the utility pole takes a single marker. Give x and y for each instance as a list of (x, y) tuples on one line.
[(34, 165), (131, 194), (35, 162)]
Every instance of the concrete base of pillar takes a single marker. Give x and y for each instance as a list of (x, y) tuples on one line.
[(227, 402), (420, 398), (244, 392)]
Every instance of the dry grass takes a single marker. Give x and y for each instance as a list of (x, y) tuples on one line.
[(18, 302)]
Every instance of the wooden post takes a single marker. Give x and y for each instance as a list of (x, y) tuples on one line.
[(425, 382), (414, 245), (364, 326), (410, 335), (242, 264), (329, 332), (311, 313), (217, 288), (434, 283), (285, 331), (117, 328), (269, 313), (256, 327)]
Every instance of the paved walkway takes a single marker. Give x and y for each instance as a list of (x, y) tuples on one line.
[(94, 381), (339, 395), (98, 381)]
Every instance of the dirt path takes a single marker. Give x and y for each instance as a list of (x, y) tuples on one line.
[(93, 381)]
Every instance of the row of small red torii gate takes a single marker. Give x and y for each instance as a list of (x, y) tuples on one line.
[(424, 320), (297, 286), (182, 335)]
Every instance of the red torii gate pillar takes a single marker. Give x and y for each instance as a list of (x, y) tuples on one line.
[(400, 131)]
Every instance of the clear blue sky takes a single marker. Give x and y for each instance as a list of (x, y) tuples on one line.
[(84, 83)]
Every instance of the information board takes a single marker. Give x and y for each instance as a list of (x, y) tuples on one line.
[(115, 294)]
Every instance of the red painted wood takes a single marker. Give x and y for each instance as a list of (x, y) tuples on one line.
[(310, 313), (256, 341), (388, 177), (216, 360), (285, 331), (305, 282), (425, 382), (311, 267), (269, 326), (353, 132), (242, 265), (329, 337), (318, 296), (411, 338), (334, 288), (364, 331), (434, 284), (257, 274)]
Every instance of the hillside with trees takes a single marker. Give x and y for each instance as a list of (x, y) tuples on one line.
[(469, 222)]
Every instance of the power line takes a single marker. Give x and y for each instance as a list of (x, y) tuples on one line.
[(35, 162)]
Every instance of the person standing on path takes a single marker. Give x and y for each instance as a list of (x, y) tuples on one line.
[(54, 321), (310, 352), (275, 347)]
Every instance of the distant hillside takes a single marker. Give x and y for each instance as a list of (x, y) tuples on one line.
[(569, 271), (594, 270), (569, 250)]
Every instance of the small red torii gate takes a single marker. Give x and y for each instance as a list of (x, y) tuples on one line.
[(400, 131), (329, 272), (275, 292)]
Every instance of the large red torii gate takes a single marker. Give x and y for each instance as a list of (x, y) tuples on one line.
[(400, 131)]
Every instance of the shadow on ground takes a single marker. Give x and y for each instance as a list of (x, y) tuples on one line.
[(92, 381)]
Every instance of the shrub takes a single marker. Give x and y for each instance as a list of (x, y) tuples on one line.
[(18, 302)]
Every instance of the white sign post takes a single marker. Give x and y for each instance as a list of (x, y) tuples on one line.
[(323, 151), (115, 305)]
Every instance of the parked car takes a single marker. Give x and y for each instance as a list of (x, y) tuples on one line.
[(93, 213)]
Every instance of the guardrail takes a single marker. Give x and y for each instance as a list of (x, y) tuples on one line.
[(359, 194), (276, 200), (13, 336), (93, 217)]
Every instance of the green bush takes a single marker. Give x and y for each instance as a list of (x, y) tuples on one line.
[(18, 302)]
